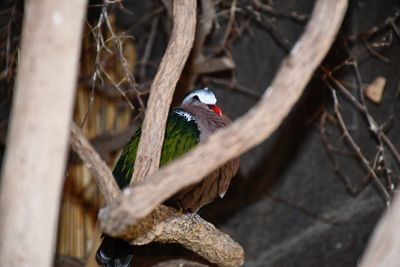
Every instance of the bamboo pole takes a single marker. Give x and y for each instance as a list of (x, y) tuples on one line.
[(38, 136)]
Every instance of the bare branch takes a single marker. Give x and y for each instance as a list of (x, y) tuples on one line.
[(147, 50), (32, 176), (233, 87), (272, 12), (361, 107), (167, 225), (93, 162), (357, 149), (354, 190), (162, 89), (110, 44), (248, 131)]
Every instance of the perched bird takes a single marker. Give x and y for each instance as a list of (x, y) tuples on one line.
[(192, 122)]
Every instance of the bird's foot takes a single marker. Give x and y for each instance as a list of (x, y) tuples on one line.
[(182, 210)]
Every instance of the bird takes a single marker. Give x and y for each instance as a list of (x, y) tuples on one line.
[(189, 124)]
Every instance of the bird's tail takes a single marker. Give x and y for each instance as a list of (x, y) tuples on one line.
[(114, 252)]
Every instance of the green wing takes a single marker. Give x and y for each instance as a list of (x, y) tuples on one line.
[(181, 135)]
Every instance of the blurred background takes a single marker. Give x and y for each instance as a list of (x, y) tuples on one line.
[(304, 197)]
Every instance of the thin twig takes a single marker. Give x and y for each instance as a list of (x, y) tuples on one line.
[(124, 63), (361, 108), (96, 31), (234, 87), (147, 50), (357, 149), (104, 23), (354, 190), (266, 23), (272, 12), (388, 22), (230, 24), (117, 86), (375, 53)]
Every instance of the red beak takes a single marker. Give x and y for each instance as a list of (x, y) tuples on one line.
[(216, 109)]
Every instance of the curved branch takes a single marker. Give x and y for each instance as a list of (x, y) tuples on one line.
[(162, 89), (96, 166), (248, 131), (167, 225)]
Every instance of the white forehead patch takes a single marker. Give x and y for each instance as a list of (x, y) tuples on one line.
[(205, 96), (184, 114)]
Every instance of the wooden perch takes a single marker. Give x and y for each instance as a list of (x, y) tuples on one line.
[(249, 130), (34, 163), (162, 89), (165, 224)]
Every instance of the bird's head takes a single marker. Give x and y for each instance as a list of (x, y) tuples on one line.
[(203, 97)]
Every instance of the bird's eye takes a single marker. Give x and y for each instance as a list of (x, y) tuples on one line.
[(196, 98)]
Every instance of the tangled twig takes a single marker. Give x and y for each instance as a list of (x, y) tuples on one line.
[(357, 149), (102, 47)]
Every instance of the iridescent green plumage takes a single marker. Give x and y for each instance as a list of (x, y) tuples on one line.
[(181, 135)]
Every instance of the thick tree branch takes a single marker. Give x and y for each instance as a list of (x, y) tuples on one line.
[(35, 159), (162, 89), (249, 130), (167, 225)]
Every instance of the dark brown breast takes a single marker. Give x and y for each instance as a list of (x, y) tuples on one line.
[(193, 197)]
